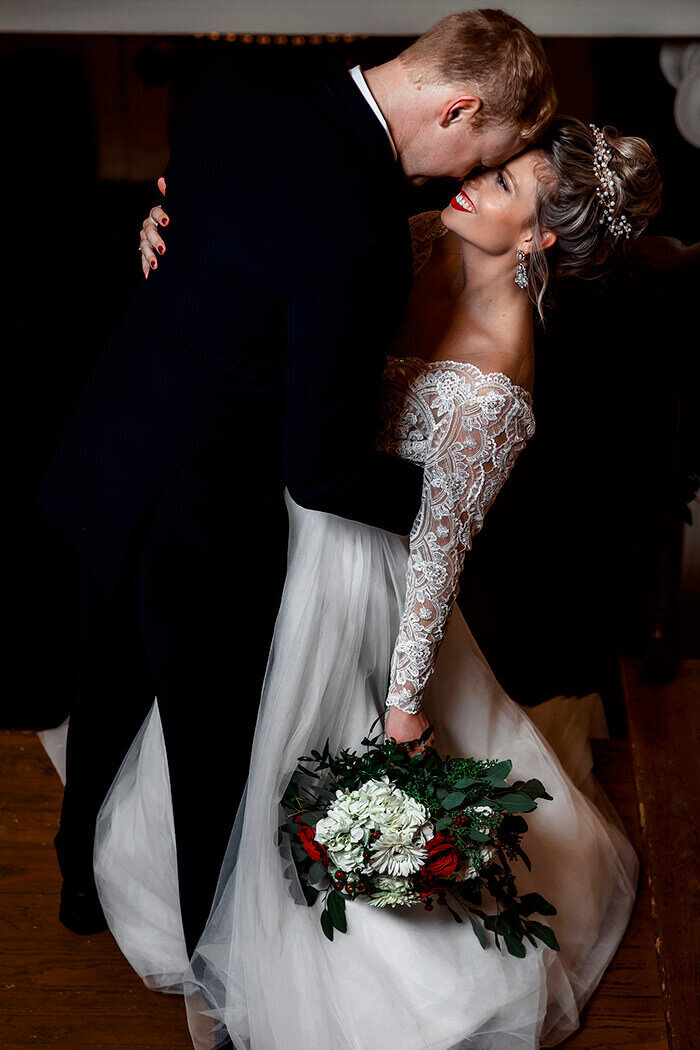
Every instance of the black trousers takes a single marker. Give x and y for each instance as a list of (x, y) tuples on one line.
[(191, 625)]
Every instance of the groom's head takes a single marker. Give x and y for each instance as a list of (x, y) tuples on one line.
[(474, 90)]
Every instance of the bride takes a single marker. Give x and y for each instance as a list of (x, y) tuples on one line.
[(362, 608)]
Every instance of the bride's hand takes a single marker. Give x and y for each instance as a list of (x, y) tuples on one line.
[(150, 241), (407, 729)]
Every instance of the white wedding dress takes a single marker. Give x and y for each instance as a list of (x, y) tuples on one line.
[(362, 609)]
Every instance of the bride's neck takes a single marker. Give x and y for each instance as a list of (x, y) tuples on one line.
[(484, 284)]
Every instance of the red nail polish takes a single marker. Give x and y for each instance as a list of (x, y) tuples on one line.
[(153, 264), (164, 221), (161, 249)]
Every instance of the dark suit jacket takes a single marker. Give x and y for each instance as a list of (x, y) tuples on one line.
[(256, 348)]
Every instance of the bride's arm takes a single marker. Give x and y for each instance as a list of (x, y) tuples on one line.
[(473, 450)]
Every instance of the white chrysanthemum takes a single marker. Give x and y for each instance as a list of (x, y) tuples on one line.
[(395, 856), (403, 824), (390, 892)]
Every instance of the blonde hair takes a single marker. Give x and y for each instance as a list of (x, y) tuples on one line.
[(568, 204), (497, 56)]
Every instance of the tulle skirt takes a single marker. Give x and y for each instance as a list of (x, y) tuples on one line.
[(400, 979)]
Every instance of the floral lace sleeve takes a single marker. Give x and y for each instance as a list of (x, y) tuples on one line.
[(479, 427)]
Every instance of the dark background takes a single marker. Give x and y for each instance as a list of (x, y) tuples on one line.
[(578, 552)]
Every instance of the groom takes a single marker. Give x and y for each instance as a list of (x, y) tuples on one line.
[(251, 362)]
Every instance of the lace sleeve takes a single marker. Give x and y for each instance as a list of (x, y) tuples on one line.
[(474, 445)]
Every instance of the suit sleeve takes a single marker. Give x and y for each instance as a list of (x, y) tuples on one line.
[(340, 324)]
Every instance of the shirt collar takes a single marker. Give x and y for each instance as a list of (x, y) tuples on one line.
[(358, 77)]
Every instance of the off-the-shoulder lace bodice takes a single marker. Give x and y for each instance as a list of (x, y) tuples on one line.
[(466, 427)]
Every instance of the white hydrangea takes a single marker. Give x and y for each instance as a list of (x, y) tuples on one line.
[(378, 805), (391, 891)]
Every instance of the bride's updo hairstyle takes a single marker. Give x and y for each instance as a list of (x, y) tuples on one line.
[(597, 192)]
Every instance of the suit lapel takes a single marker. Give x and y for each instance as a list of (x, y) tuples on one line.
[(363, 121)]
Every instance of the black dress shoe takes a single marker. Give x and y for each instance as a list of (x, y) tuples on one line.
[(80, 910)]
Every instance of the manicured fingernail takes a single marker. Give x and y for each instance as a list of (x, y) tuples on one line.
[(164, 221), (161, 248), (153, 264)]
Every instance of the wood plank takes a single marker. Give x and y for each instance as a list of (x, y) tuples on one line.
[(664, 728)]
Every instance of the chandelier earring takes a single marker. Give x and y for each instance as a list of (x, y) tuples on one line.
[(521, 271)]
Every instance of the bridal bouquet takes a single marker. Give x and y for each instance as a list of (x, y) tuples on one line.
[(397, 830)]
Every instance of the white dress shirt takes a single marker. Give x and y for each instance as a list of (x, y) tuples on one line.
[(357, 76)]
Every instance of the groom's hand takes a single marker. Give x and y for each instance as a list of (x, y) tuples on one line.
[(151, 244), (407, 729)]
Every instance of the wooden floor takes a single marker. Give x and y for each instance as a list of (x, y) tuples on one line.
[(664, 726), (57, 989)]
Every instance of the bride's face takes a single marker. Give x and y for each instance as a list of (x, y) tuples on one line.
[(493, 209)]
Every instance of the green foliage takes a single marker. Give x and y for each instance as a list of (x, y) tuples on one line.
[(450, 789), (336, 910)]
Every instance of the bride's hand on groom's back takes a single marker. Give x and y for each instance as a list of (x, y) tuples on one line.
[(151, 244), (407, 729)]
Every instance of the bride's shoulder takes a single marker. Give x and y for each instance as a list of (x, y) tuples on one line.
[(425, 228)]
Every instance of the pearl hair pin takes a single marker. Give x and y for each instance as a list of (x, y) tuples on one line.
[(619, 225)]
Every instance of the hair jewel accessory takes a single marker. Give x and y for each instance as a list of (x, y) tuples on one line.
[(521, 271), (619, 225)]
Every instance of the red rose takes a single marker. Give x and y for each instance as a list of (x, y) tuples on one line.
[(314, 849), (443, 858)]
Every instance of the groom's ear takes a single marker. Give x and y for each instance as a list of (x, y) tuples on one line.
[(462, 108)]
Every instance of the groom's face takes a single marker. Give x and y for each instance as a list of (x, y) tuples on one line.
[(456, 150)]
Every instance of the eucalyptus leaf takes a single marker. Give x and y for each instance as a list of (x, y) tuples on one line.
[(499, 771), (311, 819), (479, 836), (326, 924), (544, 933), (535, 789), (466, 782), (309, 773), (514, 945), (316, 871), (426, 734), (453, 800), (481, 936), (310, 893), (517, 802), (526, 860), (336, 910), (533, 902)]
